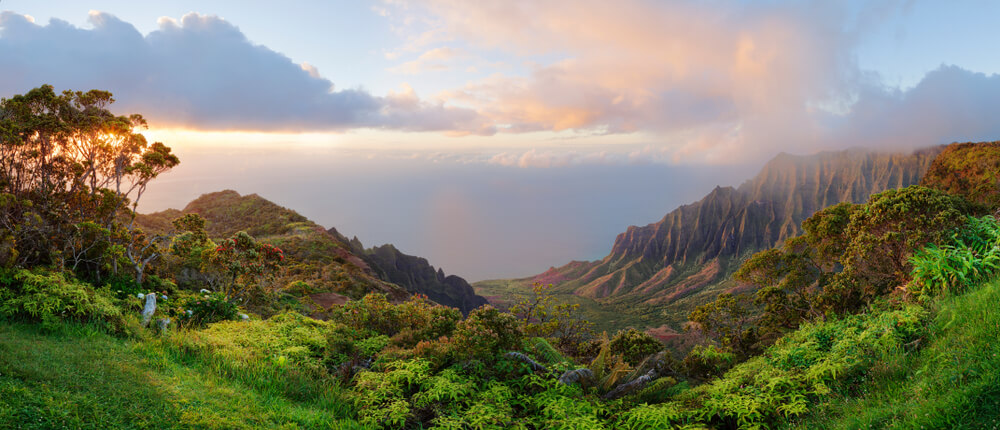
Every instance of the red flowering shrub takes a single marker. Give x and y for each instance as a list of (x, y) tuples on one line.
[(249, 265)]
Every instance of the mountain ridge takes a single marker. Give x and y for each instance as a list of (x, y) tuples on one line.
[(685, 258), (323, 258)]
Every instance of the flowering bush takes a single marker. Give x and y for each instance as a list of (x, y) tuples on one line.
[(247, 264)]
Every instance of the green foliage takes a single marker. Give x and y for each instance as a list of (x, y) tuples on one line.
[(81, 378), (812, 362), (487, 333), (730, 320), (893, 225), (634, 346), (658, 416), (284, 340), (71, 174), (249, 264), (970, 258), (50, 297), (951, 382), (208, 308), (708, 361), (543, 316), (418, 319)]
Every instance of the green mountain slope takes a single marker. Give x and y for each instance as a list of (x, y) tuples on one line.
[(321, 258)]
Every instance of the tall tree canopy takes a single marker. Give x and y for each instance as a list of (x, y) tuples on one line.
[(71, 176)]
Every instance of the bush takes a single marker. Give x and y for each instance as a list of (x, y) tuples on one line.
[(288, 339), (890, 228), (971, 170), (634, 345), (810, 363), (407, 323), (708, 361), (50, 297), (207, 308), (487, 333)]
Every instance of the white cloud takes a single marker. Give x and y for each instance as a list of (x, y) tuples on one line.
[(202, 72)]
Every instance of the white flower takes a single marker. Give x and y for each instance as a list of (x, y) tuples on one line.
[(189, 312), (141, 296), (244, 317)]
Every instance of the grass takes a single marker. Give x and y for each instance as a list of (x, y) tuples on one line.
[(952, 382), (80, 378)]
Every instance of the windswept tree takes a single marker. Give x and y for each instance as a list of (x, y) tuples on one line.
[(71, 176)]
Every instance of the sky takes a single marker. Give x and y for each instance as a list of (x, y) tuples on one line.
[(498, 138)]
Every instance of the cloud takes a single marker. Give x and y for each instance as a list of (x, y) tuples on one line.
[(949, 104), (715, 81), (202, 72)]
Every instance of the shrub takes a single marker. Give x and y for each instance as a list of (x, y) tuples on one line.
[(407, 323), (890, 228), (207, 308), (487, 333), (708, 361), (51, 296), (634, 345), (971, 170), (288, 339), (807, 364)]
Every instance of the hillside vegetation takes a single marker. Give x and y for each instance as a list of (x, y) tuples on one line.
[(877, 314)]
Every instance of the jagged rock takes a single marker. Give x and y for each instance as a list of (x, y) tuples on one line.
[(418, 276)]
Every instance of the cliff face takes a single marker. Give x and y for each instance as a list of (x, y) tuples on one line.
[(699, 243), (419, 276)]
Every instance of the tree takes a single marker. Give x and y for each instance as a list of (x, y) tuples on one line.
[(66, 160), (541, 316), (730, 320)]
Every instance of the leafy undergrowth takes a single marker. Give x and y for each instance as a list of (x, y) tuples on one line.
[(953, 382), (78, 377)]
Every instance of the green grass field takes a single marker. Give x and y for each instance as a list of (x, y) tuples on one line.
[(81, 378)]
